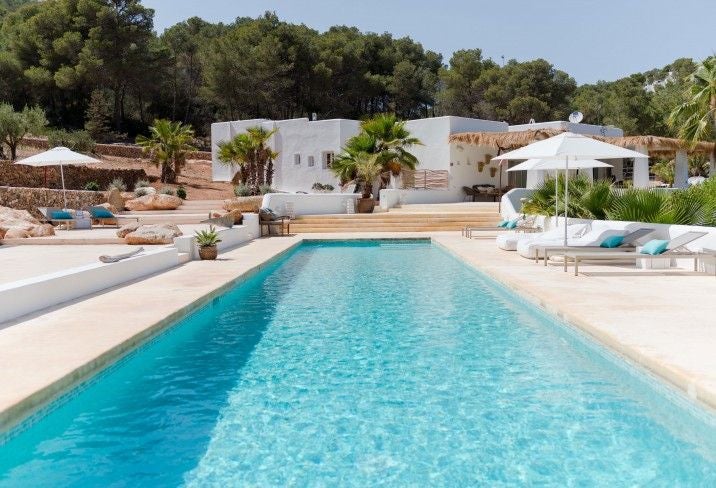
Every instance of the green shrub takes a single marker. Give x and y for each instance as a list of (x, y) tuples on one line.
[(167, 191), (141, 184), (242, 190), (117, 184), (92, 186), (80, 140), (264, 189), (181, 192), (599, 200), (142, 191), (322, 187)]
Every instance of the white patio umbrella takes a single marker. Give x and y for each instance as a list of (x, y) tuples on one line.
[(570, 147), (557, 164), (58, 156)]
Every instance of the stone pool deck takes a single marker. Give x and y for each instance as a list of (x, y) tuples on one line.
[(661, 320)]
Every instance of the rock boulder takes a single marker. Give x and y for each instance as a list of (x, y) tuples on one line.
[(20, 224), (16, 233), (127, 228), (154, 202), (115, 200), (153, 234), (42, 230), (243, 204)]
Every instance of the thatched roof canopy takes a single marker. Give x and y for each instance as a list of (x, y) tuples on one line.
[(507, 141), (662, 146)]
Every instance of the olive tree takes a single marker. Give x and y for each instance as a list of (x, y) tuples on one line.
[(16, 125)]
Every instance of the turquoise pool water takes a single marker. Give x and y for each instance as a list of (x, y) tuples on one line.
[(364, 364)]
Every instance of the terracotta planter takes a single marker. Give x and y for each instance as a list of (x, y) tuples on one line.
[(208, 252), (365, 205)]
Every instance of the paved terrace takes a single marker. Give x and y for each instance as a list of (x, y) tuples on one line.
[(662, 320)]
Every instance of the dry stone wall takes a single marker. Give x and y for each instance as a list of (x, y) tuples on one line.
[(117, 150), (76, 177), (31, 198)]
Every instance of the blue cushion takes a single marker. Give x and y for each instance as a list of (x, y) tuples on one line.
[(654, 247), (502, 223), (612, 241), (60, 215), (511, 224), (101, 213)]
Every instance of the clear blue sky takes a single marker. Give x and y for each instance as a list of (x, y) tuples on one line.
[(589, 39)]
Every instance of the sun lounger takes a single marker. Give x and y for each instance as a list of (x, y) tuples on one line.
[(57, 216), (627, 245), (676, 247), (522, 225)]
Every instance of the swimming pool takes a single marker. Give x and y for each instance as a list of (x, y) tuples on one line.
[(364, 363)]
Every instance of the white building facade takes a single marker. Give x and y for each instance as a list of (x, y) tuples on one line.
[(306, 149)]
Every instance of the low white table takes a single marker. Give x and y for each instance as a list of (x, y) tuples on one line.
[(664, 263)]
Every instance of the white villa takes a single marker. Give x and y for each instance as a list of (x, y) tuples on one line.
[(306, 149)]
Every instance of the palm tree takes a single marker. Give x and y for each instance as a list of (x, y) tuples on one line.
[(368, 168), (696, 117), (385, 136), (236, 153), (262, 153), (251, 153), (167, 145)]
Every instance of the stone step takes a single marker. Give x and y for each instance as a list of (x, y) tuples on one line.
[(152, 217), (351, 223), (455, 225), (416, 228), (399, 217)]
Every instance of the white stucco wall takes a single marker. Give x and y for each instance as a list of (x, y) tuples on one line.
[(308, 139), (312, 138), (309, 204), (21, 297)]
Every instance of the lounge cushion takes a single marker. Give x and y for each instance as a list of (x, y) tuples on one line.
[(266, 214), (511, 224), (612, 241), (503, 223), (655, 247), (60, 215), (101, 213)]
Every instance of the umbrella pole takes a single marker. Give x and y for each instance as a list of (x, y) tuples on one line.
[(566, 196), (556, 198), (64, 192)]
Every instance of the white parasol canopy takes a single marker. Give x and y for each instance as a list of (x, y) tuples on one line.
[(557, 164), (58, 156), (569, 147)]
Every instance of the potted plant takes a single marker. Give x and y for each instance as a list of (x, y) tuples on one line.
[(367, 170), (207, 241)]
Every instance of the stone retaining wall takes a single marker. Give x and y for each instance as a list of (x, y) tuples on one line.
[(31, 198), (117, 150), (76, 177)]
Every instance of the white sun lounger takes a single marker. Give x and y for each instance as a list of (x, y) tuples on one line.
[(675, 248), (627, 245)]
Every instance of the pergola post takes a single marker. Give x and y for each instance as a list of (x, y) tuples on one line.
[(641, 169), (681, 169)]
